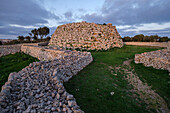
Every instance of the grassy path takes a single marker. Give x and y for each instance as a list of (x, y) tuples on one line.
[(153, 100), (99, 89)]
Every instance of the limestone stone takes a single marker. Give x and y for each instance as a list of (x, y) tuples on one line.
[(157, 59), (85, 35), (39, 86)]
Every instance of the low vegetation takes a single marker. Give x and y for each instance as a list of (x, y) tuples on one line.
[(36, 35), (143, 38), (13, 63), (158, 79), (99, 89)]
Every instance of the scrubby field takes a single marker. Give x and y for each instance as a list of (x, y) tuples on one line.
[(114, 83), (13, 63)]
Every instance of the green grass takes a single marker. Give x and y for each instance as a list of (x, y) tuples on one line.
[(13, 63), (158, 79), (92, 86)]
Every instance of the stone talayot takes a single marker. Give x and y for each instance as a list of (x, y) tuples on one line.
[(89, 36)]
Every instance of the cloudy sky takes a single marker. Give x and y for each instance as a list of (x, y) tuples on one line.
[(131, 17)]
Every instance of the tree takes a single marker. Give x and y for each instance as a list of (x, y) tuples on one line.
[(138, 38), (28, 38), (0, 43), (126, 39), (146, 39), (48, 38), (34, 38), (21, 38), (153, 38), (163, 39), (35, 33), (30, 34), (43, 32)]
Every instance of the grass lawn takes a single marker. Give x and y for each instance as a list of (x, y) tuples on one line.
[(93, 85), (13, 63)]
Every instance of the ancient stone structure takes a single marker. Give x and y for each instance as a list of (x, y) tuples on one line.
[(12, 49), (39, 86), (159, 59), (89, 36), (9, 49), (47, 52)]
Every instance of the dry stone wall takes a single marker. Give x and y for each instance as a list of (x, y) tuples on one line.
[(85, 35), (9, 49), (159, 59), (47, 52), (12, 49), (39, 86)]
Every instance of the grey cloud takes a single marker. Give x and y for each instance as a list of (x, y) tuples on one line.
[(21, 12), (163, 32), (129, 12), (132, 12), (68, 15), (14, 31), (81, 10), (94, 17)]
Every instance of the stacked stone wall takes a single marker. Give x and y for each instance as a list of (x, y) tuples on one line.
[(88, 36), (47, 52), (39, 86), (12, 49), (9, 49), (159, 59)]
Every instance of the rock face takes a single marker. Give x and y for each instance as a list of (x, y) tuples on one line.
[(88, 36), (159, 59), (38, 88)]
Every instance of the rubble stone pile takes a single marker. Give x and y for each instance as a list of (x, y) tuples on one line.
[(89, 36), (38, 88), (159, 59)]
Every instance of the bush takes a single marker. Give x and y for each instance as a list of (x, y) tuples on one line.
[(142, 38), (0, 43)]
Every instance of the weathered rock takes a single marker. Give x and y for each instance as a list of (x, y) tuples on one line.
[(71, 103), (70, 97)]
